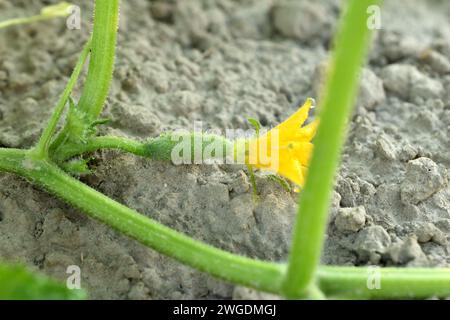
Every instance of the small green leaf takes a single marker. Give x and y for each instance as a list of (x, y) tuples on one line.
[(78, 124), (18, 283), (91, 130), (77, 166), (256, 124), (99, 122)]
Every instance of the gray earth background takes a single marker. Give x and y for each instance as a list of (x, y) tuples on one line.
[(221, 61)]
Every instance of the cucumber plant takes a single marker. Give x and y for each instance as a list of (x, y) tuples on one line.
[(52, 163)]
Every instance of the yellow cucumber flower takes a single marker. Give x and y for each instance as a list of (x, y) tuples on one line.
[(285, 149)]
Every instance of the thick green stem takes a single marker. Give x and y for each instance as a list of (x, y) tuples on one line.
[(101, 65), (261, 275), (336, 106), (41, 149), (382, 283), (11, 160)]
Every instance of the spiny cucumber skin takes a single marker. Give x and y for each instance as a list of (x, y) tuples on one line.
[(160, 148)]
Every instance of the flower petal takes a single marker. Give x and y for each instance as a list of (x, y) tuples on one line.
[(307, 132), (302, 151), (293, 172), (286, 149), (294, 122)]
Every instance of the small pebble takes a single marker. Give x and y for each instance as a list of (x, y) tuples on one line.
[(406, 251), (240, 184), (371, 242), (409, 83), (429, 232), (371, 91), (407, 152), (350, 219), (423, 178), (436, 61), (302, 20), (386, 147)]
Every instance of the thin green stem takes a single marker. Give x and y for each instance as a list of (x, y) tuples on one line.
[(103, 142), (41, 148), (351, 45), (379, 283), (17, 21), (251, 173), (101, 65), (266, 276), (49, 12)]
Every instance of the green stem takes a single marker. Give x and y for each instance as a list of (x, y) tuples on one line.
[(11, 160), (41, 149), (351, 45), (378, 283), (251, 173), (159, 148), (47, 13), (101, 65), (103, 142), (17, 21), (253, 273)]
